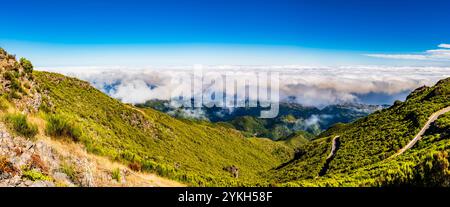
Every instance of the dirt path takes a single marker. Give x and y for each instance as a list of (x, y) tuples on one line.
[(419, 135), (334, 147)]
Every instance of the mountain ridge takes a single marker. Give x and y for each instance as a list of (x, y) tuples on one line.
[(366, 145)]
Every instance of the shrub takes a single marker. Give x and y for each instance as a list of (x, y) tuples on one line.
[(59, 126), (20, 124), (13, 95), (27, 85), (34, 175), (4, 105), (116, 174), (6, 166), (69, 170), (45, 106), (36, 162), (15, 84), (27, 66), (135, 166), (9, 76)]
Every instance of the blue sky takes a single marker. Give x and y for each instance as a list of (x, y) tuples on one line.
[(172, 32)]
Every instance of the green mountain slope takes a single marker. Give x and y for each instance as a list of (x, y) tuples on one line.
[(366, 144), (189, 151)]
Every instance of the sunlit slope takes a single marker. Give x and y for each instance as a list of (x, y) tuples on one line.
[(192, 152), (366, 144), (382, 134)]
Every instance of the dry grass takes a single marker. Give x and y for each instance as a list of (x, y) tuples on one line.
[(38, 121), (36, 162), (102, 167), (7, 167)]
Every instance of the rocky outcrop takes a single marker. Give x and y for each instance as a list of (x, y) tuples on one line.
[(17, 83), (19, 155), (233, 170)]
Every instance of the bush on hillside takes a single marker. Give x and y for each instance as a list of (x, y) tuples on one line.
[(6, 166), (69, 170), (9, 75), (26, 64), (115, 174), (4, 105), (20, 124), (35, 175), (15, 85), (60, 126)]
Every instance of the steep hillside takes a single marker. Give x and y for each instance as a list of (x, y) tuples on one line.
[(198, 153), (366, 145), (35, 151)]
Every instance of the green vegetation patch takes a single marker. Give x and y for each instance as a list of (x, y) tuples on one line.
[(27, 66), (19, 123), (60, 126), (69, 170), (116, 175), (4, 104), (35, 175)]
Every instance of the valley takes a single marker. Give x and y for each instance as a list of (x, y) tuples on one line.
[(292, 119)]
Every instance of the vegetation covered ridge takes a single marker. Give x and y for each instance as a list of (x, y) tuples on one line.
[(366, 144)]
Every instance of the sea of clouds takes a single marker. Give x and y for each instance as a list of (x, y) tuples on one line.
[(311, 86)]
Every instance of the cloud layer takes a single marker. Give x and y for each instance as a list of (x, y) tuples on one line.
[(312, 86), (440, 54)]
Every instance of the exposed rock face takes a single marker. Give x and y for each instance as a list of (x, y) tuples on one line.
[(233, 170), (17, 154)]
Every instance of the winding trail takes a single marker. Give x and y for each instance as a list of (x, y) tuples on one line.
[(334, 147), (419, 135), (431, 119)]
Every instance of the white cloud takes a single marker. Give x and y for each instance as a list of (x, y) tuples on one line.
[(444, 45), (399, 56), (442, 54)]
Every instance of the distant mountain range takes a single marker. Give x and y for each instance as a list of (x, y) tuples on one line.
[(292, 117)]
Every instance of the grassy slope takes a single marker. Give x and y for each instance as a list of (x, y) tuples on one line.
[(297, 139), (192, 152), (366, 143)]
